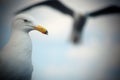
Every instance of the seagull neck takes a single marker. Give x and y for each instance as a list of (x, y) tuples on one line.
[(19, 44), (19, 35)]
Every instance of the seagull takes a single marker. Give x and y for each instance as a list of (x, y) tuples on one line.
[(15, 56), (79, 20)]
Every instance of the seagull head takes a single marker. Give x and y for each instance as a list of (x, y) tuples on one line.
[(27, 23)]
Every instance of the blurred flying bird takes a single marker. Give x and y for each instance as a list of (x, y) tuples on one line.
[(15, 56), (79, 19)]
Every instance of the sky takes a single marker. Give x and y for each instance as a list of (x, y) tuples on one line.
[(55, 57)]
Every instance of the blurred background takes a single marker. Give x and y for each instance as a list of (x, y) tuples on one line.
[(56, 57)]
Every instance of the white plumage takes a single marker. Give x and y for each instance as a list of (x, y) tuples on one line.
[(15, 56)]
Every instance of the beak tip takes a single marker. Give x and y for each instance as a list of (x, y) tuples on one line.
[(46, 32)]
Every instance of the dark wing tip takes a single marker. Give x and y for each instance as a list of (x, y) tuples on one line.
[(108, 10)]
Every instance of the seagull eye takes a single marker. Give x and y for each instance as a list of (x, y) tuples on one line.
[(25, 20)]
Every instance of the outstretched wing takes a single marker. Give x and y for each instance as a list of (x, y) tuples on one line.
[(109, 10), (52, 3), (80, 21)]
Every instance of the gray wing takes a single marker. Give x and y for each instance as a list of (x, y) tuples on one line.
[(80, 21), (108, 10), (52, 3)]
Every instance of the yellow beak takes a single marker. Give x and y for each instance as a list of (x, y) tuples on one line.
[(41, 29)]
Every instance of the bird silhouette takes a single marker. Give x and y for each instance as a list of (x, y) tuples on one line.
[(79, 19)]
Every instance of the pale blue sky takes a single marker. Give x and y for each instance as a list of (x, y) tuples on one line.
[(55, 57)]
